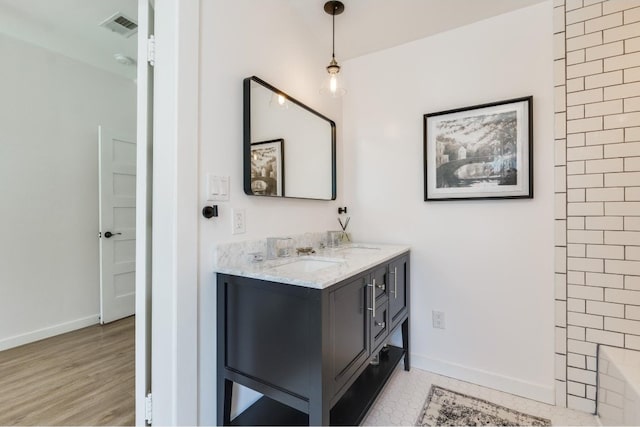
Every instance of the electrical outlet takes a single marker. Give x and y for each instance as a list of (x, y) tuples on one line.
[(238, 224), (437, 318)]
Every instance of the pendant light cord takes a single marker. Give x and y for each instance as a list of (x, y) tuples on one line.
[(333, 46)]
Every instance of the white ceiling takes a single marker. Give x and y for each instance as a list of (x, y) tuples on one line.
[(71, 27), (367, 26)]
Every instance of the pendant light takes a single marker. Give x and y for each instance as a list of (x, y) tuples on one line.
[(332, 85), (278, 101)]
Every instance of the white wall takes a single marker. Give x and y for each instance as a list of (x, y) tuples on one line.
[(487, 264), (250, 37), (50, 109)]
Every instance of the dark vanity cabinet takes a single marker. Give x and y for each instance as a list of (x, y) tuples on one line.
[(309, 350)]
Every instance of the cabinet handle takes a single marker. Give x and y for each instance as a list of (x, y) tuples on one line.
[(381, 324), (373, 298), (395, 282), (381, 287)]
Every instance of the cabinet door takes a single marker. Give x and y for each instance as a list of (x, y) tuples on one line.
[(349, 323), (398, 289), (262, 340)]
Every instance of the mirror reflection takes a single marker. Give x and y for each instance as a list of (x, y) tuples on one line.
[(289, 149)]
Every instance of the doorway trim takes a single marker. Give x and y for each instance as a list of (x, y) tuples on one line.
[(144, 185), (174, 336)]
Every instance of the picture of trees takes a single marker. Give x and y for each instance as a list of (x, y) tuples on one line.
[(477, 150), (480, 152)]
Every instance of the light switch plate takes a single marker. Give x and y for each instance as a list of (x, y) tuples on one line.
[(217, 188)]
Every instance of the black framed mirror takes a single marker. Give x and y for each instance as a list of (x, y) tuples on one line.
[(289, 149)]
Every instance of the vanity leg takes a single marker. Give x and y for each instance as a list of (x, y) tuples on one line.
[(225, 389), (319, 393), (405, 344)]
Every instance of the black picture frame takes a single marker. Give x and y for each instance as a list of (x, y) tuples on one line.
[(482, 152), (267, 168)]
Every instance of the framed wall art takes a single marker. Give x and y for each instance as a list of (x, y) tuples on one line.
[(480, 152), (267, 168)]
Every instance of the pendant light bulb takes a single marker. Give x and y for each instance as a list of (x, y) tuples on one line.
[(278, 101), (332, 85)]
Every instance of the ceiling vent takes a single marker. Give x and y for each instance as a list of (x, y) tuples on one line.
[(121, 24)]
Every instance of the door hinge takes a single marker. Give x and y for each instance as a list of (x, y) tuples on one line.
[(148, 409), (151, 50), (99, 234)]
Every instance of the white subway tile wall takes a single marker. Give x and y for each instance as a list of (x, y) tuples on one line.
[(597, 239)]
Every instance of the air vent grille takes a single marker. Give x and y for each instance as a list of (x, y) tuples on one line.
[(121, 24), (126, 23)]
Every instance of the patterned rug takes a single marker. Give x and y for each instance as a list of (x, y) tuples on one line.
[(448, 408)]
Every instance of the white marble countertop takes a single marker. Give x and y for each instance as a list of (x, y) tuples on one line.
[(320, 270)]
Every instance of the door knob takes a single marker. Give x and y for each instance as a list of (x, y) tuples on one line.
[(109, 234)]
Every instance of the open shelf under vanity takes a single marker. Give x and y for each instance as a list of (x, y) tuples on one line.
[(350, 410)]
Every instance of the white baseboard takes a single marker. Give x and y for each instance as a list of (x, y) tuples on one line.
[(539, 392), (49, 331)]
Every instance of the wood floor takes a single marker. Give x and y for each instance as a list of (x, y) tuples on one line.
[(85, 377)]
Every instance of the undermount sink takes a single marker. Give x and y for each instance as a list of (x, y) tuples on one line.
[(306, 265)]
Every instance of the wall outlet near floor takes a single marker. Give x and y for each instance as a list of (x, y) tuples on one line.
[(437, 318), (238, 224)]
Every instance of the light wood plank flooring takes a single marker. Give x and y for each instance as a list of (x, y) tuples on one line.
[(85, 377)]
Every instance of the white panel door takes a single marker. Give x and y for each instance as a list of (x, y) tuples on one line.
[(117, 171)]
